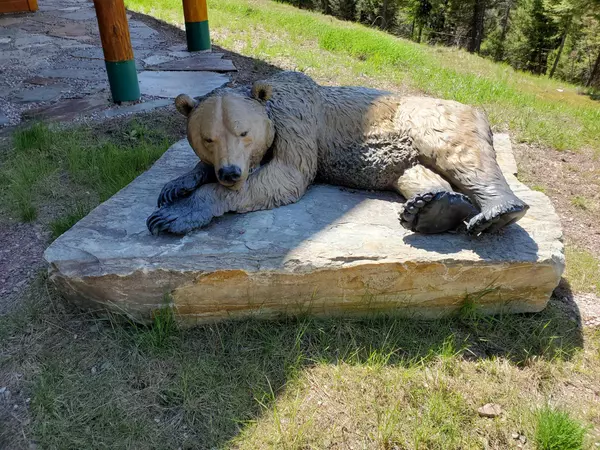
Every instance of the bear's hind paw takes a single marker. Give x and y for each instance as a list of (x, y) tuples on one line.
[(497, 217), (436, 212)]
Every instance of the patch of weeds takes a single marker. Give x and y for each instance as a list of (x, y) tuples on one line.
[(469, 310), (108, 167), (583, 270), (580, 202), (539, 188), (36, 137), (64, 223), (161, 334), (81, 158), (557, 430)]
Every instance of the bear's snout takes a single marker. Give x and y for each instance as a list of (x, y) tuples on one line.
[(229, 174)]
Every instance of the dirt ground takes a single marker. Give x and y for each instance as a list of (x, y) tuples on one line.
[(572, 181)]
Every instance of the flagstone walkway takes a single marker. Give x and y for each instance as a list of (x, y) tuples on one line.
[(52, 65)]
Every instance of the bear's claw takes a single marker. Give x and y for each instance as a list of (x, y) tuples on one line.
[(436, 212), (181, 217), (174, 190), (497, 217)]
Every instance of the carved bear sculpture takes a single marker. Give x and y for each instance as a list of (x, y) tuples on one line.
[(261, 146)]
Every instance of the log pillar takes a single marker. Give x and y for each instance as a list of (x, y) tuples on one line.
[(118, 54), (196, 25)]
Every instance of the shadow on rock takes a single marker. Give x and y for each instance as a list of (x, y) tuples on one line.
[(510, 244)]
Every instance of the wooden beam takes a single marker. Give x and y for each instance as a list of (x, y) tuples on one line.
[(10, 6), (118, 53), (196, 25)]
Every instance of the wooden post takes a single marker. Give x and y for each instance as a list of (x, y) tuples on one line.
[(118, 54), (196, 25)]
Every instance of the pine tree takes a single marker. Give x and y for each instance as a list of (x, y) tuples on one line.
[(532, 37)]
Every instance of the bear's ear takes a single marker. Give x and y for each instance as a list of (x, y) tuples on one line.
[(262, 91), (184, 104)]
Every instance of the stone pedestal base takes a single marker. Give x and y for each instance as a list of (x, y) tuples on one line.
[(335, 252)]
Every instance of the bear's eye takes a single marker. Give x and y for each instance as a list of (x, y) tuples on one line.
[(244, 134), (208, 140)]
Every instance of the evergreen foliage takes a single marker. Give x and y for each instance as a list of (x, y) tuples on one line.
[(558, 38)]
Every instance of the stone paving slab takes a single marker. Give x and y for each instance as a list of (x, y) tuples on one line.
[(138, 107), (69, 109), (61, 42), (197, 64), (334, 252), (171, 84), (41, 94), (79, 74)]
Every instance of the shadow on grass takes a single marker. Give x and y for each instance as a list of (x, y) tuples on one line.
[(96, 383)]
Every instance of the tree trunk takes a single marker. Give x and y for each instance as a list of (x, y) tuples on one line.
[(504, 23), (412, 29), (420, 34), (477, 26), (594, 80), (325, 7), (563, 38), (384, 14)]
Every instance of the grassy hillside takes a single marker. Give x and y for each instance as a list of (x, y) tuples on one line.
[(532, 108)]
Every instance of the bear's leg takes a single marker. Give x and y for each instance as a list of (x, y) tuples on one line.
[(431, 205), (455, 141), (276, 184), (473, 169), (186, 184)]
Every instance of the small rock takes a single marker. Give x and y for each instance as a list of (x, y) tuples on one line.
[(5, 40), (157, 420), (490, 410), (516, 436), (523, 439), (94, 370), (5, 394), (157, 59)]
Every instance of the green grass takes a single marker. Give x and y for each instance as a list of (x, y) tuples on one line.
[(583, 270), (62, 224), (580, 202), (341, 52), (49, 166), (557, 430), (383, 382)]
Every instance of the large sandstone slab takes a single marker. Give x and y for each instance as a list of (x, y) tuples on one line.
[(335, 252)]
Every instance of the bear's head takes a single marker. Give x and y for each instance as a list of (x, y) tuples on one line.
[(230, 130)]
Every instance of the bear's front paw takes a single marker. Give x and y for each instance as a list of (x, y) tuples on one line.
[(436, 212), (175, 190), (180, 217)]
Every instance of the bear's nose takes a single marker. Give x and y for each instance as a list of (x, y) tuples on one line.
[(229, 174)]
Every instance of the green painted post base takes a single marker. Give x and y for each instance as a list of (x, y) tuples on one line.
[(198, 36), (123, 81)]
